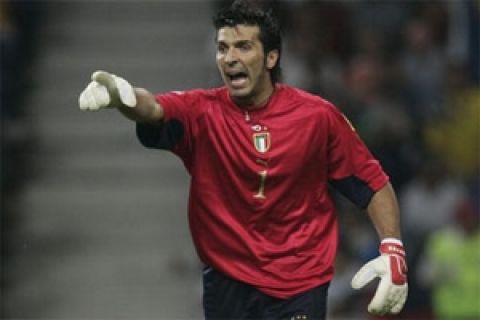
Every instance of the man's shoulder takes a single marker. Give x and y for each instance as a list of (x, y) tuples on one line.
[(196, 99), (205, 93), (305, 98)]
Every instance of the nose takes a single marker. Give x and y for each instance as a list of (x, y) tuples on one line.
[(230, 56)]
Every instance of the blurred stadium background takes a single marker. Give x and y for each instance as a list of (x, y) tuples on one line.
[(93, 226)]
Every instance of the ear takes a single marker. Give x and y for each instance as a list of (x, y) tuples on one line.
[(272, 59)]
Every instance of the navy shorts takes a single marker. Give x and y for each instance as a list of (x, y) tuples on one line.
[(226, 299)]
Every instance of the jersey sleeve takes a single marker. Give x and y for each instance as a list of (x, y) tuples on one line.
[(175, 131), (352, 169)]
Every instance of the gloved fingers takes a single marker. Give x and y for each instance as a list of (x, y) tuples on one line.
[(388, 299), (86, 100), (126, 92), (381, 300), (92, 104), (104, 78), (94, 97), (371, 270), (116, 86), (100, 95), (400, 298), (363, 276), (83, 102)]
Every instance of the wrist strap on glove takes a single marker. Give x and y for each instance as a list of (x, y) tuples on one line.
[(394, 249)]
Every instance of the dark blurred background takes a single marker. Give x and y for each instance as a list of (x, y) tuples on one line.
[(93, 226)]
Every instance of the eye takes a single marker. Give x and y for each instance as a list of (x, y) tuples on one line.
[(244, 46), (221, 48)]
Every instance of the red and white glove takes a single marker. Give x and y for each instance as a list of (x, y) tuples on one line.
[(391, 268)]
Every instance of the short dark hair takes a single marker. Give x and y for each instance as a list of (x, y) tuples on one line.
[(251, 14)]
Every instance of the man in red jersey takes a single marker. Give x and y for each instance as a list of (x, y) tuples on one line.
[(261, 156)]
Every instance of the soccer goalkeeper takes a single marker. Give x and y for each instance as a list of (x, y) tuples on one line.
[(261, 155)]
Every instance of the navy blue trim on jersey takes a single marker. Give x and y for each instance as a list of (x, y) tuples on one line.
[(226, 299), (164, 136), (356, 190)]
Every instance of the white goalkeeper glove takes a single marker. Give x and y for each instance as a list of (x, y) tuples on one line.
[(391, 268), (106, 90)]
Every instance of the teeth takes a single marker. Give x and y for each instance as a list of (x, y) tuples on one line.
[(238, 81), (236, 74)]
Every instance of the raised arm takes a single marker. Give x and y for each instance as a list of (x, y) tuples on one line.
[(147, 108), (107, 90)]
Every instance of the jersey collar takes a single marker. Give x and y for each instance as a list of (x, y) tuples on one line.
[(255, 112)]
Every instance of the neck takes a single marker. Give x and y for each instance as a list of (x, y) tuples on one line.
[(256, 101)]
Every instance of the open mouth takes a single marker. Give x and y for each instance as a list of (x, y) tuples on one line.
[(237, 79)]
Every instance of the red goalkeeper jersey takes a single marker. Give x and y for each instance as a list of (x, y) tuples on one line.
[(259, 206)]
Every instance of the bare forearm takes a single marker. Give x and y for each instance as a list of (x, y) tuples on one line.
[(146, 110), (384, 213)]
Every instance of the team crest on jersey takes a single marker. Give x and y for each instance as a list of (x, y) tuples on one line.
[(261, 141)]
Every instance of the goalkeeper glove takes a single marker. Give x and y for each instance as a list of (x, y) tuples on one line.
[(391, 268), (106, 90)]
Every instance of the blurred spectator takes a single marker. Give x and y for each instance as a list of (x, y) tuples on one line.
[(455, 134), (424, 69), (383, 20), (428, 200), (450, 266), (427, 203), (317, 44), (464, 36), (381, 121)]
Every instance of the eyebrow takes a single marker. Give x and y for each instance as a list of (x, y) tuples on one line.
[(236, 43), (242, 42)]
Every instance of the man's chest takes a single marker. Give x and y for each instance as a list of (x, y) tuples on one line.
[(280, 144)]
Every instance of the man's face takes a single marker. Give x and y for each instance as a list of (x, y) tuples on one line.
[(243, 65)]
